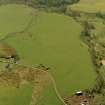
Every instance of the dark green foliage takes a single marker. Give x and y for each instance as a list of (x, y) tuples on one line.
[(100, 15), (41, 3), (99, 84), (87, 28), (15, 57), (55, 2), (48, 5)]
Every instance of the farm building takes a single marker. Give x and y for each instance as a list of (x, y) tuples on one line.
[(79, 93)]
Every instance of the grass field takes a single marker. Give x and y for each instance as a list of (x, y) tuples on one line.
[(50, 45), (49, 99), (90, 6), (15, 20), (52, 40), (91, 1), (15, 96)]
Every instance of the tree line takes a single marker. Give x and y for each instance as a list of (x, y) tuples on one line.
[(41, 3)]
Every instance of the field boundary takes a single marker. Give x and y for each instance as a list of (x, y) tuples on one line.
[(12, 34)]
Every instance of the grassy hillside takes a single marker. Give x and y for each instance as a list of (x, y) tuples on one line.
[(90, 6), (50, 45), (15, 20), (15, 96), (91, 1), (49, 99), (53, 40)]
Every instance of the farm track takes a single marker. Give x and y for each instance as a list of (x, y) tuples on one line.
[(53, 84), (38, 87), (34, 102), (55, 88)]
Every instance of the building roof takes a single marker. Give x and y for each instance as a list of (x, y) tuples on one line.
[(78, 92)]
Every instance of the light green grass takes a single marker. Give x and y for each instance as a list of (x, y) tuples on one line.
[(49, 97), (89, 6), (54, 40), (56, 43), (15, 96), (15, 20), (91, 1)]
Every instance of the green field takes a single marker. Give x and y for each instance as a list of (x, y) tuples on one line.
[(15, 96), (91, 1), (89, 6), (52, 40), (15, 20), (49, 99)]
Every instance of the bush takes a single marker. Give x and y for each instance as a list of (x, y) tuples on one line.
[(100, 15), (41, 3)]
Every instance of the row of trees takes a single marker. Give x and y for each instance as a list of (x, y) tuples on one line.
[(41, 3), (53, 2), (100, 15)]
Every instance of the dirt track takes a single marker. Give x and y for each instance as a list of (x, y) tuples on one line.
[(42, 78), (53, 84)]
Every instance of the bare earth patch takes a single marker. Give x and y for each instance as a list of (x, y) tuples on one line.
[(6, 50), (78, 100), (24, 75)]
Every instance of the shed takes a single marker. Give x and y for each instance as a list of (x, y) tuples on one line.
[(79, 93)]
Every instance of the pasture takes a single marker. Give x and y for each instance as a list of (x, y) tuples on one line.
[(50, 46), (89, 6), (52, 40), (15, 96), (15, 20), (91, 1)]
